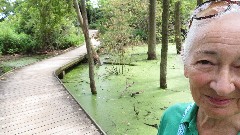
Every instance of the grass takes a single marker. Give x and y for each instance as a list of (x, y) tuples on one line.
[(118, 108), (18, 62), (10, 62)]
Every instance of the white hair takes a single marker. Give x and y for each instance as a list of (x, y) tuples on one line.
[(192, 36), (197, 29)]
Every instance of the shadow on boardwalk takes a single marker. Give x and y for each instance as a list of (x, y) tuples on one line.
[(33, 101)]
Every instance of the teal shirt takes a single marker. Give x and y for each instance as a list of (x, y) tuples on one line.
[(173, 117)]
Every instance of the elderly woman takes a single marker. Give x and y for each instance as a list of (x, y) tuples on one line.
[(212, 64)]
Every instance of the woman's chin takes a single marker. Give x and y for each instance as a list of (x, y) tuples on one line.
[(219, 113)]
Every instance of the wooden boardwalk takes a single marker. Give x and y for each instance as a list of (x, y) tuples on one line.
[(33, 101)]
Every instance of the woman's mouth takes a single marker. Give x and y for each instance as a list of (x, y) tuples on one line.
[(219, 101)]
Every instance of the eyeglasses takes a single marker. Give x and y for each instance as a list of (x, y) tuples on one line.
[(211, 9)]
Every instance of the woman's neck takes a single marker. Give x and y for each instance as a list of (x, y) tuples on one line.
[(209, 126)]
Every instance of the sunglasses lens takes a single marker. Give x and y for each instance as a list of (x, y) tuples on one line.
[(211, 9)]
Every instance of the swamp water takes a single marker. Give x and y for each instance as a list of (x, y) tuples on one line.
[(129, 103)]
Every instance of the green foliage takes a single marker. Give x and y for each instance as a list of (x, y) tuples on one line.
[(123, 22), (4, 69), (187, 6), (49, 21), (132, 18), (6, 8), (141, 33), (39, 26), (12, 42), (93, 14), (69, 40), (131, 15), (49, 24)]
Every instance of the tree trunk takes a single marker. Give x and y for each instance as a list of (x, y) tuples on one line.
[(199, 2), (84, 25), (88, 10), (164, 50), (79, 15), (178, 27), (80, 19), (152, 31)]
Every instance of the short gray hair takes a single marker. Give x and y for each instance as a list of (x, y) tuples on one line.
[(192, 36), (198, 27)]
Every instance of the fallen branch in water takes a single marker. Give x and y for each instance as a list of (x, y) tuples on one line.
[(136, 93), (152, 125), (135, 110), (126, 89), (119, 63)]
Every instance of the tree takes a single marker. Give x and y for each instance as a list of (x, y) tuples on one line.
[(164, 50), (178, 27), (152, 31), (49, 22), (199, 2), (38, 26), (123, 22), (51, 13), (84, 24), (6, 8)]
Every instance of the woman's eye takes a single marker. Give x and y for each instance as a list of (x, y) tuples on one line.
[(237, 66), (204, 62), (205, 65)]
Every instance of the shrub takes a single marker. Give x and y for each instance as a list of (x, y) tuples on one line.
[(12, 42), (70, 40), (9, 42), (140, 33), (27, 44)]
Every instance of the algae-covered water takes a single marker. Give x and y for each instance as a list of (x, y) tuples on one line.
[(129, 103)]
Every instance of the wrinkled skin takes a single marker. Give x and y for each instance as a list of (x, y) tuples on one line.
[(213, 69)]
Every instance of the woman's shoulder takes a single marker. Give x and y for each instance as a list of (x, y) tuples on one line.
[(171, 118), (177, 108)]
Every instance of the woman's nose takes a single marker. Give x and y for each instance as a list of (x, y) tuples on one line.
[(223, 83)]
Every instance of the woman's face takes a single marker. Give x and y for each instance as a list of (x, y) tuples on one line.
[(213, 69)]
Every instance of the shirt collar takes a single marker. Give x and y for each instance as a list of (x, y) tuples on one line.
[(190, 118)]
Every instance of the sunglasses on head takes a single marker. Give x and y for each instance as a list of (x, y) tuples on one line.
[(212, 8)]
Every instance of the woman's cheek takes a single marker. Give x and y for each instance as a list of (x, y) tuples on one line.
[(200, 79)]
